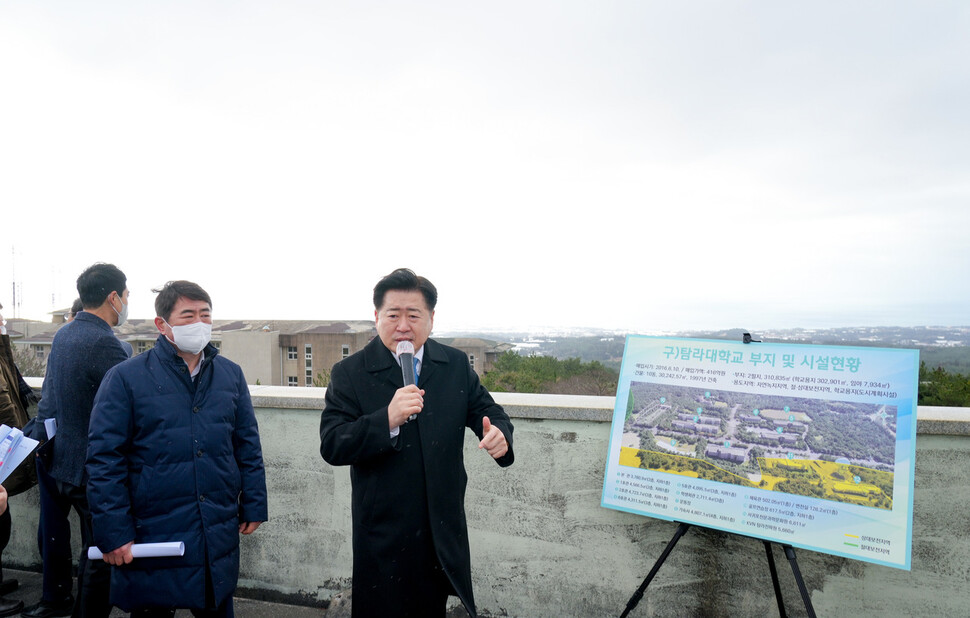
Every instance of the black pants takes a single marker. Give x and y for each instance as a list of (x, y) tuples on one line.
[(93, 576), (54, 538)]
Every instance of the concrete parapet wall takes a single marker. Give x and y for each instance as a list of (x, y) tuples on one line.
[(542, 545)]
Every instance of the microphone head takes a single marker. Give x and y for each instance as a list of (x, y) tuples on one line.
[(405, 347)]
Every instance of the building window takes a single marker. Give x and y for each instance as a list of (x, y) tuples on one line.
[(308, 349), (38, 351), (309, 377), (291, 380), (140, 347), (471, 360), (216, 344), (344, 351), (291, 353)]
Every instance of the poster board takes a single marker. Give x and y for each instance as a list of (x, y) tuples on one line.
[(805, 445)]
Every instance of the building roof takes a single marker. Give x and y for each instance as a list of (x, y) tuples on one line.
[(296, 327), (471, 342), (141, 329)]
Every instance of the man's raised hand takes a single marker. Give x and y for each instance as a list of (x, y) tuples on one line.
[(493, 440)]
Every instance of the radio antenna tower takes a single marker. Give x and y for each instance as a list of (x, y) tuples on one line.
[(13, 279), (15, 300)]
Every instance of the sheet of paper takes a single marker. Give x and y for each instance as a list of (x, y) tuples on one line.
[(14, 448), (146, 550)]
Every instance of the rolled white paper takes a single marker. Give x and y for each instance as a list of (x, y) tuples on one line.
[(146, 550)]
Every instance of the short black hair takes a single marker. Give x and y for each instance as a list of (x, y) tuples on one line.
[(76, 307), (98, 281), (170, 293), (404, 279)]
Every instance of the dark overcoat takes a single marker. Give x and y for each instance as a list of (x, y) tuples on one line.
[(172, 458), (82, 352), (408, 494)]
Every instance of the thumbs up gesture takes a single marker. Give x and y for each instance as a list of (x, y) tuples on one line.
[(493, 440)]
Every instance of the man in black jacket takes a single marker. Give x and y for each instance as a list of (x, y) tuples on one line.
[(81, 354), (405, 448)]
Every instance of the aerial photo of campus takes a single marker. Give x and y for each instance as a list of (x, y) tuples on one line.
[(832, 450)]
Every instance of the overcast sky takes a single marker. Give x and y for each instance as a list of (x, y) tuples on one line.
[(634, 165)]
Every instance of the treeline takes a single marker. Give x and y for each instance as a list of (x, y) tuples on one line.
[(939, 387), (850, 435), (954, 360), (513, 373), (690, 465)]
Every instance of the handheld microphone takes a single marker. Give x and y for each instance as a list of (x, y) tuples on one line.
[(405, 352)]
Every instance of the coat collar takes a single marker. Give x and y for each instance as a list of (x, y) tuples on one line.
[(379, 360), (92, 319)]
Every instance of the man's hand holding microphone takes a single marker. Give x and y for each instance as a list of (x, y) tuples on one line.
[(408, 401)]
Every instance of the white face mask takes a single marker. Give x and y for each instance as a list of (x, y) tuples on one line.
[(191, 338), (123, 316)]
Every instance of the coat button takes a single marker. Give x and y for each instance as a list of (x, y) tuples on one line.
[(202, 498), (195, 409), (199, 453)]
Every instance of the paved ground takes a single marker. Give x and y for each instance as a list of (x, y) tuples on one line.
[(30, 589)]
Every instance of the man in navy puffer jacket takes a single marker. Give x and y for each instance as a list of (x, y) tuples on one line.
[(174, 455)]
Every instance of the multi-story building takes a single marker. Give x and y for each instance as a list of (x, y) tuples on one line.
[(292, 353), (482, 353), (271, 352)]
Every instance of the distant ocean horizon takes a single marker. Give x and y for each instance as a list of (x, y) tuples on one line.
[(954, 315)]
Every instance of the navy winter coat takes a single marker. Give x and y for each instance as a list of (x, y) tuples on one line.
[(174, 459)]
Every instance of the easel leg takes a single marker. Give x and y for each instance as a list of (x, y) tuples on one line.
[(774, 580), (790, 552), (635, 599)]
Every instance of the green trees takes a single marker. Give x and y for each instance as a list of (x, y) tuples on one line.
[(701, 447), (322, 380), (937, 387), (513, 373)]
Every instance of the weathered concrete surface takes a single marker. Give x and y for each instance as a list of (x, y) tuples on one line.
[(543, 546)]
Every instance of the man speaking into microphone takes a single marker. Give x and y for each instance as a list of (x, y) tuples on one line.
[(403, 436)]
